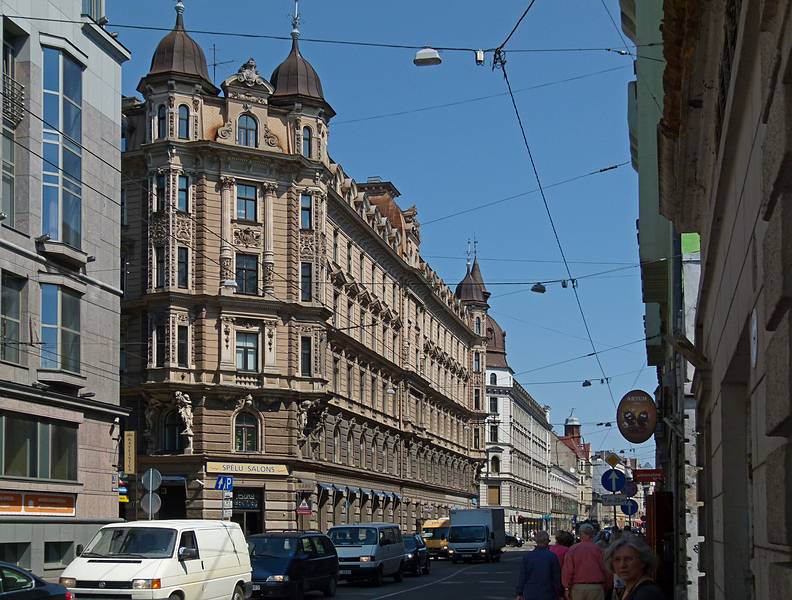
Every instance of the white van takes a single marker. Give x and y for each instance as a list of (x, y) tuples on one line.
[(161, 560), (368, 551)]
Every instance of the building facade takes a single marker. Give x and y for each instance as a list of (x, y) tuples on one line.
[(517, 474), (670, 273), (724, 163), (564, 496), (279, 323), (60, 298), (578, 460)]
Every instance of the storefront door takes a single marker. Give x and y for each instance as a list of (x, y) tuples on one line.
[(248, 510)]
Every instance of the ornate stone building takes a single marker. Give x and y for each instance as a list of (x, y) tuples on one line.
[(279, 323)]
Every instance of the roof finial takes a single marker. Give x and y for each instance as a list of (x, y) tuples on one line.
[(475, 247), (295, 33), (467, 257), (179, 15)]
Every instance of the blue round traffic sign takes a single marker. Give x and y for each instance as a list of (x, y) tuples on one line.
[(630, 507), (613, 480)]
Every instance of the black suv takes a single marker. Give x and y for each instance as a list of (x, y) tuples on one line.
[(286, 564)]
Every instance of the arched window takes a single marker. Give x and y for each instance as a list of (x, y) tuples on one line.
[(495, 465), (350, 449), (476, 362), (184, 122), (162, 130), (247, 131), (307, 150), (493, 379), (478, 325), (172, 427), (245, 433)]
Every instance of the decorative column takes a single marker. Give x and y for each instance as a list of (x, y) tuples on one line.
[(227, 281), (269, 243)]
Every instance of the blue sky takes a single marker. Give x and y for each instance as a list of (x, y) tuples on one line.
[(458, 157)]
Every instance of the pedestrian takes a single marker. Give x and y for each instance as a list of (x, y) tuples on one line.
[(540, 572), (584, 574), (564, 540), (631, 559)]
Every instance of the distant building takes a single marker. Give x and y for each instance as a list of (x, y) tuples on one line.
[(582, 464), (59, 289), (517, 475), (279, 323)]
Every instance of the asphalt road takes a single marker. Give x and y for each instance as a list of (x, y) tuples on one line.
[(476, 581)]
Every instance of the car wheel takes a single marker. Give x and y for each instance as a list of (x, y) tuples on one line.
[(379, 577), (329, 590), (397, 576), (298, 592), (238, 594)]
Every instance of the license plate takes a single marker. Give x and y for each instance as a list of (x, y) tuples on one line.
[(345, 572), (467, 555), (256, 588)]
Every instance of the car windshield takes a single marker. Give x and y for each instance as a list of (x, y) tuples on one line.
[(466, 533), (272, 547), (410, 543), (436, 533), (132, 542), (353, 536)]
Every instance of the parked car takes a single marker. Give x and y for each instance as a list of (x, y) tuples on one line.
[(18, 584), (159, 560), (369, 551), (515, 541), (290, 563), (416, 555)]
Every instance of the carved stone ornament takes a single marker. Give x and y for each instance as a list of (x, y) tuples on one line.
[(184, 406), (248, 237), (307, 245), (228, 327), (158, 228), (183, 228), (226, 268), (225, 132), (244, 402), (269, 138)]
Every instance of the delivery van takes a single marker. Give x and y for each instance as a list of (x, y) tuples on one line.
[(435, 534), (368, 551), (161, 560)]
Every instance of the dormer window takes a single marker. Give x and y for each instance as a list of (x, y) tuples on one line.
[(306, 142), (247, 131), (184, 122), (161, 128)]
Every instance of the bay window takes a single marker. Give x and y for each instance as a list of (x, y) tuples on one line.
[(60, 328)]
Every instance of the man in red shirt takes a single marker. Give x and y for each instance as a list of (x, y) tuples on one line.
[(584, 575)]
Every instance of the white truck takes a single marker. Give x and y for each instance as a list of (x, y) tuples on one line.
[(477, 533)]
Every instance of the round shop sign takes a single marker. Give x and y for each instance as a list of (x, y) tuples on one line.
[(637, 416)]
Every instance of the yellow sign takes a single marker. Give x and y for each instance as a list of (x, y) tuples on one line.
[(233, 468), (612, 460), (130, 452), (123, 498)]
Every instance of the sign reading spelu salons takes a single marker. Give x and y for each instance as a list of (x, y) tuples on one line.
[(234, 468)]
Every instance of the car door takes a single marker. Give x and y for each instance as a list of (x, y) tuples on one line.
[(320, 562), (15, 584), (308, 562), (191, 576)]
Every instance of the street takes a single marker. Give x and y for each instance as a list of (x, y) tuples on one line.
[(485, 581)]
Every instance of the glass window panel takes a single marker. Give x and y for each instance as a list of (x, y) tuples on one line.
[(51, 158), (51, 69), (183, 267), (72, 164), (70, 310), (183, 193), (49, 304), (51, 111), (72, 121), (184, 122), (182, 344), (49, 347), (72, 219), (72, 79), (70, 351), (21, 445)]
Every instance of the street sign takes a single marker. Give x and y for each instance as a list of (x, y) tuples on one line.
[(151, 503), (304, 508), (647, 475), (228, 504), (224, 482), (152, 479), (130, 452), (612, 460), (123, 498), (630, 489), (613, 480), (614, 500), (630, 507)]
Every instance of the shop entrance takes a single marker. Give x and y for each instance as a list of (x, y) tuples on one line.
[(248, 510)]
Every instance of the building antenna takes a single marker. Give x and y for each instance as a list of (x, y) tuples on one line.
[(467, 256), (475, 247), (296, 20), (215, 63)]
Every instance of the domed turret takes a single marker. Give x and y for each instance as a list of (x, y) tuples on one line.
[(471, 289), (180, 56), (295, 80), (496, 345)]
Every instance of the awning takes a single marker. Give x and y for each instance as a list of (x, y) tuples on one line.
[(378, 493), (326, 487), (353, 490), (174, 480), (366, 492), (397, 497), (340, 488)]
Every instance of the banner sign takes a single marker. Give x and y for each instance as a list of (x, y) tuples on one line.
[(130, 452), (647, 475), (43, 505), (636, 416)]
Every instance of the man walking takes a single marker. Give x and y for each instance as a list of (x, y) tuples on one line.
[(540, 572), (584, 574)]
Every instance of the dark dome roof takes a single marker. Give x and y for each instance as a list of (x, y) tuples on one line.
[(295, 78), (179, 54), (471, 289), (496, 345)]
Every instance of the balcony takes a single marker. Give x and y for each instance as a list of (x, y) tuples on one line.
[(13, 100)]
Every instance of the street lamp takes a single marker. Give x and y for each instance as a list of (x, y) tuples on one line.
[(586, 383), (538, 288), (427, 57)]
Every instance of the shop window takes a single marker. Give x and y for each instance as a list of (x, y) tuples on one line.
[(57, 554)]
